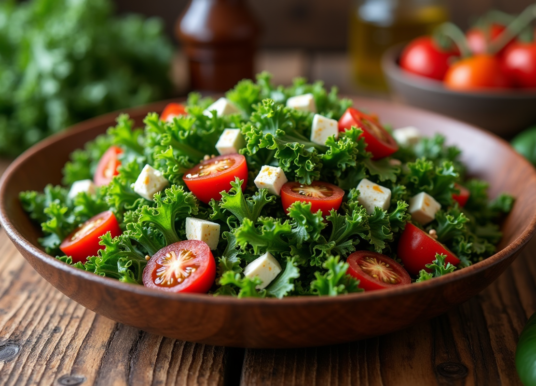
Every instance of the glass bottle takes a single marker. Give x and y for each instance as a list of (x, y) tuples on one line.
[(376, 25), (219, 38)]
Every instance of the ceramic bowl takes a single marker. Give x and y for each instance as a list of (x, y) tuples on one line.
[(273, 323), (502, 112)]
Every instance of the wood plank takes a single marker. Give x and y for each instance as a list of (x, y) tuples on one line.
[(45, 338), (474, 344)]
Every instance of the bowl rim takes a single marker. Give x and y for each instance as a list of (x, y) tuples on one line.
[(21, 242), (391, 68)]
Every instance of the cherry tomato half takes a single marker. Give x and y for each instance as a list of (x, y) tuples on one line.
[(376, 271), (425, 58), (84, 240), (321, 195), (416, 248), (212, 176), (171, 111), (379, 142), (479, 39), (519, 64), (463, 196), (185, 266), (107, 167), (476, 73)]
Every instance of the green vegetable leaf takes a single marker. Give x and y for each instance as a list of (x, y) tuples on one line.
[(399, 217), (271, 236), (283, 284), (308, 226), (438, 268), (380, 231), (247, 286), (243, 207), (174, 207), (334, 281)]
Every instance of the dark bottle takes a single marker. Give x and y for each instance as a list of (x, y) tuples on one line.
[(219, 38)]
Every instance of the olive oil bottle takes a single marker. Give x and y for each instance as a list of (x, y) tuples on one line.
[(376, 25)]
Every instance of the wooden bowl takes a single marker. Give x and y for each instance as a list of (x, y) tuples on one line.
[(502, 112), (273, 323)]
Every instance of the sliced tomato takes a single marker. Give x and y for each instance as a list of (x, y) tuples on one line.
[(185, 266), (376, 271), (321, 195), (379, 142), (107, 167), (84, 240), (171, 111), (463, 196), (213, 176), (416, 248)]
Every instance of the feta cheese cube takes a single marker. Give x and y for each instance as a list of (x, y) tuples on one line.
[(423, 208), (223, 108), (207, 231), (271, 178), (86, 186), (265, 267), (323, 128), (407, 136), (149, 182), (230, 142), (372, 195), (305, 102)]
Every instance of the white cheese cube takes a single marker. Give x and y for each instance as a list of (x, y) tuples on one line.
[(265, 267), (323, 128), (372, 195), (231, 140), (305, 102), (223, 108), (207, 231), (423, 208), (86, 186), (149, 182), (407, 136), (271, 178)]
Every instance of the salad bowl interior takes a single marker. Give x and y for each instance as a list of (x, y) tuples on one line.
[(274, 323)]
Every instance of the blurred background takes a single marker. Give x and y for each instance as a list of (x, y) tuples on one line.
[(312, 38), (65, 61)]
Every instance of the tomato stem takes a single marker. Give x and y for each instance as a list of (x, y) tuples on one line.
[(513, 29), (455, 34)]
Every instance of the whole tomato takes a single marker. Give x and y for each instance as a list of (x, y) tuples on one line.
[(424, 57), (476, 73), (479, 39), (519, 64)]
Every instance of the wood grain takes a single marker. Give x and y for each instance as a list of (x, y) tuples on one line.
[(61, 342)]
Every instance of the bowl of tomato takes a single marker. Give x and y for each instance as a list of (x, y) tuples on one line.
[(172, 301), (502, 111)]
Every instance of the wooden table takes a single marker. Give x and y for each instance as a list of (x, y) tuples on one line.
[(45, 338)]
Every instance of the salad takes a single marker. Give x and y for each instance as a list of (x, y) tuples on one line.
[(270, 191)]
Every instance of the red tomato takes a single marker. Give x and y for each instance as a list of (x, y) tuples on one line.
[(185, 266), (212, 176), (519, 64), (463, 196), (107, 167), (379, 141), (171, 111), (476, 73), (376, 271), (84, 240), (416, 248), (479, 39), (423, 57), (321, 195)]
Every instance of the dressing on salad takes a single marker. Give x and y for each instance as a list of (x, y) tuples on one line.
[(267, 192)]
